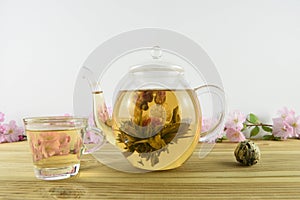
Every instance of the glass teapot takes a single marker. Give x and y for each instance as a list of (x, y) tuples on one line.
[(156, 118), (157, 108)]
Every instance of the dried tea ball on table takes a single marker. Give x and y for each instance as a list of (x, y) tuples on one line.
[(247, 153)]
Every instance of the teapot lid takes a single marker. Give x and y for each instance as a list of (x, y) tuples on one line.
[(158, 67)]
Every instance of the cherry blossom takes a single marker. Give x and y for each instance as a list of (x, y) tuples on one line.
[(281, 128), (64, 144), (47, 144), (235, 120), (11, 132), (234, 125), (287, 125), (207, 124), (103, 113), (34, 146), (285, 113), (90, 136), (235, 135)]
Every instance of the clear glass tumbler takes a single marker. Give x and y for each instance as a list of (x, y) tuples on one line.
[(56, 144)]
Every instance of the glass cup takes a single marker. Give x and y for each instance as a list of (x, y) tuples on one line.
[(57, 143)]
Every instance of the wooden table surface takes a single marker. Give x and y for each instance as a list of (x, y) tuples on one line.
[(217, 176)]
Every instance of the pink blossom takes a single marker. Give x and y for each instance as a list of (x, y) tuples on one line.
[(91, 121), (2, 138), (11, 132), (235, 135), (235, 120), (48, 137), (22, 137), (109, 110), (1, 129), (49, 148), (281, 128), (294, 122), (287, 125), (91, 138), (156, 121), (234, 125), (284, 113), (49, 144), (207, 124), (103, 113), (35, 147), (64, 141), (1, 117)]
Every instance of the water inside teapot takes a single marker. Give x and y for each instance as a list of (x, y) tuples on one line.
[(156, 129)]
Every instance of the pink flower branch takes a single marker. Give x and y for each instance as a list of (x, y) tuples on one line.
[(287, 125), (10, 132)]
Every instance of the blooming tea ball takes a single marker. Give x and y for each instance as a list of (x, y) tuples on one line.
[(247, 153)]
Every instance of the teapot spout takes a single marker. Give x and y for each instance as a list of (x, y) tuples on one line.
[(102, 117)]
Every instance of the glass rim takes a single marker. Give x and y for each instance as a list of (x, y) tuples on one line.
[(54, 119)]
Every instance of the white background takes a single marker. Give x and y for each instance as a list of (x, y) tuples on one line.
[(255, 46)]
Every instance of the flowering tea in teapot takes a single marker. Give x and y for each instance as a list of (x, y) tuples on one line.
[(156, 129)]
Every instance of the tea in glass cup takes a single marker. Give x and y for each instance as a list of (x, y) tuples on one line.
[(56, 144)]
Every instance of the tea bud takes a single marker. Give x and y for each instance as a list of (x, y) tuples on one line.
[(144, 106), (147, 96), (160, 97), (247, 153)]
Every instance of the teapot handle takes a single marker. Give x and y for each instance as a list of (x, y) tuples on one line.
[(212, 103)]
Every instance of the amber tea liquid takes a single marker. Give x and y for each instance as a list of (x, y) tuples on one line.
[(55, 151), (157, 129)]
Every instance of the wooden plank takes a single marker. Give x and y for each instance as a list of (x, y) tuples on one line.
[(217, 176)]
